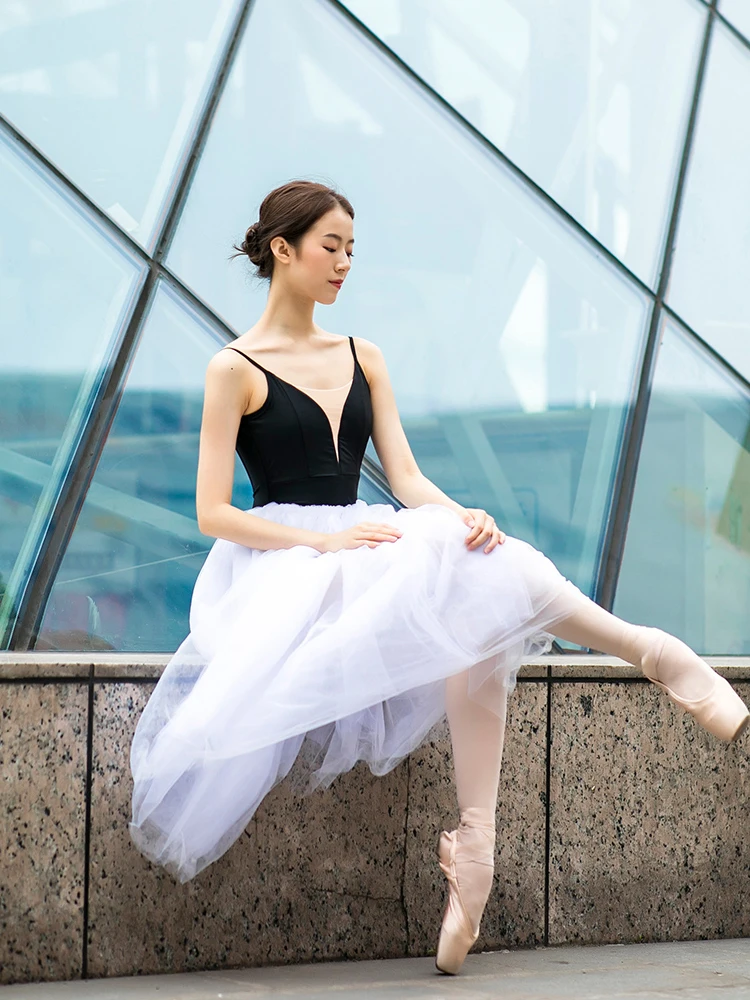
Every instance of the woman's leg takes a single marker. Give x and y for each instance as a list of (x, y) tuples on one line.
[(467, 854), (663, 658), (590, 626), (477, 738)]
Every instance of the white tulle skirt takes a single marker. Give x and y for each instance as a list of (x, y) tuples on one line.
[(324, 659)]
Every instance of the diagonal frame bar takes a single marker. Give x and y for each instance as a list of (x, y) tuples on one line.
[(42, 571)]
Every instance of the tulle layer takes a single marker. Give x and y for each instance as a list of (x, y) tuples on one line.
[(324, 659)]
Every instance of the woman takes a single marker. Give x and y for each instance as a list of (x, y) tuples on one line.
[(324, 630)]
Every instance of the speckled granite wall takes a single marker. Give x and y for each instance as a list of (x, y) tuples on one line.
[(632, 828)]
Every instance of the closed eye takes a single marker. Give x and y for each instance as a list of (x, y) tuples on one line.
[(333, 250)]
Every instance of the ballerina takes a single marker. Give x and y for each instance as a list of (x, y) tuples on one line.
[(325, 630)]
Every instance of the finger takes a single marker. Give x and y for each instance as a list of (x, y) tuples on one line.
[(484, 534), (494, 540), (483, 538), (474, 533), (380, 526)]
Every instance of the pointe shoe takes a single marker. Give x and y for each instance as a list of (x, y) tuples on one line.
[(721, 711), (466, 857)]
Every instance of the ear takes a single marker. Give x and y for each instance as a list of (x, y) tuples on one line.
[(281, 249)]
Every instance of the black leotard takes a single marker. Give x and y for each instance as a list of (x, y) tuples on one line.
[(287, 445)]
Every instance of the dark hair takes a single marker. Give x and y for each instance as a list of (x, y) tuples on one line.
[(288, 211)]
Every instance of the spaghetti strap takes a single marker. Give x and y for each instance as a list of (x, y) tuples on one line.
[(257, 365), (351, 342)]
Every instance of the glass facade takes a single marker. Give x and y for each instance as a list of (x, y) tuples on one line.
[(689, 533), (517, 171), (570, 92), (712, 256)]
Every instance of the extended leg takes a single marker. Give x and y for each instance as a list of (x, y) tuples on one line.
[(664, 659)]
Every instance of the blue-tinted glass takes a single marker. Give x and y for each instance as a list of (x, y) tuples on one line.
[(738, 12), (512, 347), (687, 558), (128, 573), (65, 288), (589, 98), (109, 91), (712, 261)]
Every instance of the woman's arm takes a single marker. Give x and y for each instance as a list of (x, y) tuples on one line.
[(229, 389), (402, 472), (407, 482)]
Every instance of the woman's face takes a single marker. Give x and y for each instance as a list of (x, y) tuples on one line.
[(323, 257)]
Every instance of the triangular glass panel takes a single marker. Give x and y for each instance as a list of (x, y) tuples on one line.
[(66, 289), (709, 281), (738, 13), (512, 346), (590, 99), (686, 566), (109, 91), (127, 577)]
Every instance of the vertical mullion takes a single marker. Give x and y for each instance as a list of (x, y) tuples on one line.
[(624, 486)]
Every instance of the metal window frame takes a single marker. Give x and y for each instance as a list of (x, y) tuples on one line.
[(43, 568), (613, 545), (62, 520)]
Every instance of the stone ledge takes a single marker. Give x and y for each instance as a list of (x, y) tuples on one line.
[(149, 666), (618, 820)]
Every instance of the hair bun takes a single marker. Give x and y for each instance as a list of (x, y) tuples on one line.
[(251, 243)]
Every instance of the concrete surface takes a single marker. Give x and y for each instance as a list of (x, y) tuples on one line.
[(687, 970)]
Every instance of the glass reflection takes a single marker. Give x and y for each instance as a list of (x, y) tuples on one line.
[(65, 289), (588, 98), (708, 286), (511, 346), (686, 566), (109, 91), (128, 573)]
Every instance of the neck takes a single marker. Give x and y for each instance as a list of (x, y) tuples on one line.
[(288, 315)]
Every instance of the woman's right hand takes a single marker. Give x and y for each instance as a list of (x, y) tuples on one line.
[(370, 533)]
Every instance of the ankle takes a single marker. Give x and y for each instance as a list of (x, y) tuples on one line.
[(639, 641), (477, 817), (475, 837)]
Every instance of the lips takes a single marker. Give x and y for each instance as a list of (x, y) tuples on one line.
[(338, 284)]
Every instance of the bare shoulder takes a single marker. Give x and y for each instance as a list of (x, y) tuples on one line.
[(232, 379), (370, 357), (228, 366)]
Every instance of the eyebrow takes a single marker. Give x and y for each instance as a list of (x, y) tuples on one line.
[(336, 236)]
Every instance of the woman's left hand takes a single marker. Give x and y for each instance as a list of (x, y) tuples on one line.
[(483, 529)]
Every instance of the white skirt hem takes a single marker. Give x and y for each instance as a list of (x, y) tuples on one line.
[(324, 659)]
